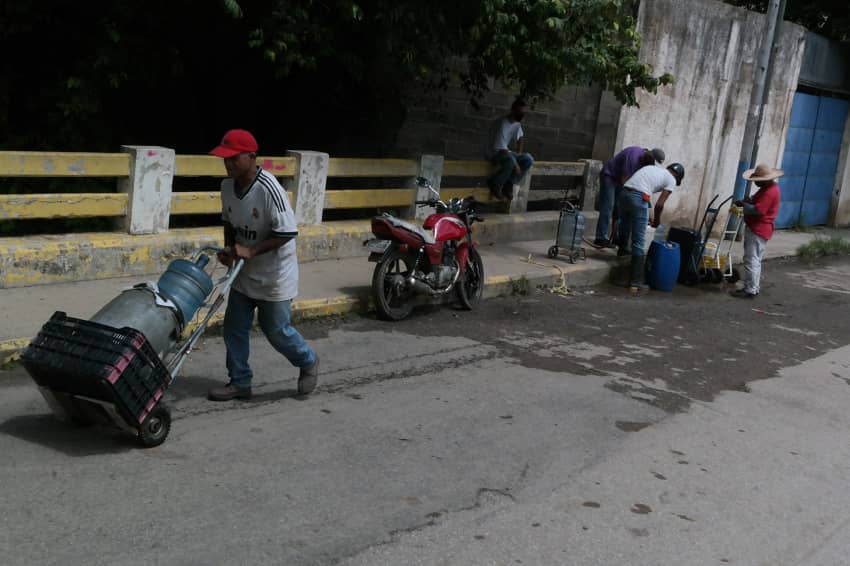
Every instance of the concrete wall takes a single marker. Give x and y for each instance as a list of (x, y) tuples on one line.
[(711, 48), (562, 129)]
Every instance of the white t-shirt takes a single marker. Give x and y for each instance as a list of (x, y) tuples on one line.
[(502, 134), (652, 179), (260, 213)]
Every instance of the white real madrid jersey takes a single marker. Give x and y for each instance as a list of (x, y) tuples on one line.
[(262, 212)]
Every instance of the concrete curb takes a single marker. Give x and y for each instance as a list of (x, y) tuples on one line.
[(42, 260), (585, 274)]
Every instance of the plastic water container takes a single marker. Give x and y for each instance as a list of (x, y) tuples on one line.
[(653, 235), (663, 265), (570, 228), (187, 285)]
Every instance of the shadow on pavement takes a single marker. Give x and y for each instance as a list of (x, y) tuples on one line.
[(73, 440)]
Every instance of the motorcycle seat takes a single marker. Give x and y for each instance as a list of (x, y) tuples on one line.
[(427, 236)]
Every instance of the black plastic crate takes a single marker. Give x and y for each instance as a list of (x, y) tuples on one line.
[(89, 359)]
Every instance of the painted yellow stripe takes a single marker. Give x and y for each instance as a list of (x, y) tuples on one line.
[(206, 202), (344, 167), (467, 168), (202, 202), (63, 164), (11, 349), (69, 205), (369, 198), (483, 169), (210, 166), (559, 168)]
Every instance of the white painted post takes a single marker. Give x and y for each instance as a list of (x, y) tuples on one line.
[(148, 188), (520, 201), (590, 183), (430, 167), (309, 182)]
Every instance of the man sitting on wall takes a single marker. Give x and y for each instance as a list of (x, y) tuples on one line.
[(511, 165)]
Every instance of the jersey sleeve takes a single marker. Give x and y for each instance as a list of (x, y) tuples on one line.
[(282, 216), (671, 182)]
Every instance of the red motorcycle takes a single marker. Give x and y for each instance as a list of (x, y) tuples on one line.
[(418, 264)]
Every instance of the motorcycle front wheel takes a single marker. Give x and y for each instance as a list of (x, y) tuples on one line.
[(470, 286), (390, 289)]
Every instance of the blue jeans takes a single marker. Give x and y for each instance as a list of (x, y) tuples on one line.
[(274, 318), (506, 174), (634, 216), (609, 196)]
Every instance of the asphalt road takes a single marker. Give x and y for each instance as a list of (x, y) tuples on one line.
[(597, 428)]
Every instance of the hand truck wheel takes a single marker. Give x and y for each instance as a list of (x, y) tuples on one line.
[(553, 252), (716, 275), (735, 277), (155, 427)]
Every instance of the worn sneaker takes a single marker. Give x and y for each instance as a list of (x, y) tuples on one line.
[(308, 378), (743, 294), (229, 392)]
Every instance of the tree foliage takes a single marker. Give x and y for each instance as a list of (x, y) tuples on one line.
[(536, 46), (826, 17), (179, 71)]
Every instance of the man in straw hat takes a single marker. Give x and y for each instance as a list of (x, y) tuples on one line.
[(760, 211)]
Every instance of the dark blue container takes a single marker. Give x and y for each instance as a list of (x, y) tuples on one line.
[(187, 285), (662, 269)]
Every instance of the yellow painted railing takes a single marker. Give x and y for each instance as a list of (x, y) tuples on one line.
[(67, 205), (30, 164), (53, 164), (209, 166)]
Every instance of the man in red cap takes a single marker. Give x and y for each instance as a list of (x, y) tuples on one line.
[(760, 211), (259, 227)]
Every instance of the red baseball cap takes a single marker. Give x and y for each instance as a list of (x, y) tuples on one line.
[(235, 142)]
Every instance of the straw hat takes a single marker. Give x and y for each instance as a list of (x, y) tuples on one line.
[(762, 172)]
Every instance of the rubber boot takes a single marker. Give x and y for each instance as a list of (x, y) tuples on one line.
[(636, 281)]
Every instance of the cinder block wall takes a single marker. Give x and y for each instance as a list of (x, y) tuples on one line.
[(562, 129)]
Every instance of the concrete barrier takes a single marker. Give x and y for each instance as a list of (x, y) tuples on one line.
[(40, 260)]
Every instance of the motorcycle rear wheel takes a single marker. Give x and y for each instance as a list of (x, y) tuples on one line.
[(389, 302), (470, 286)]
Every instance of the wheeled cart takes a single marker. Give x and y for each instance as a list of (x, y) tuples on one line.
[(92, 372), (700, 260), (570, 234)]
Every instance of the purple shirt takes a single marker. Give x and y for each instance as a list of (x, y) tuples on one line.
[(624, 164)]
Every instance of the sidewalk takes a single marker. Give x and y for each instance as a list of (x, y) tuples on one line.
[(340, 286)]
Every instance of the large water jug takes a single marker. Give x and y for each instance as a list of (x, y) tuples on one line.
[(187, 285), (662, 268)]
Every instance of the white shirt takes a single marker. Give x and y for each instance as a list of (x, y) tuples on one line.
[(502, 134), (262, 212), (652, 179)]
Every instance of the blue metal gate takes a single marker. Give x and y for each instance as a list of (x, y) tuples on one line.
[(810, 160)]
